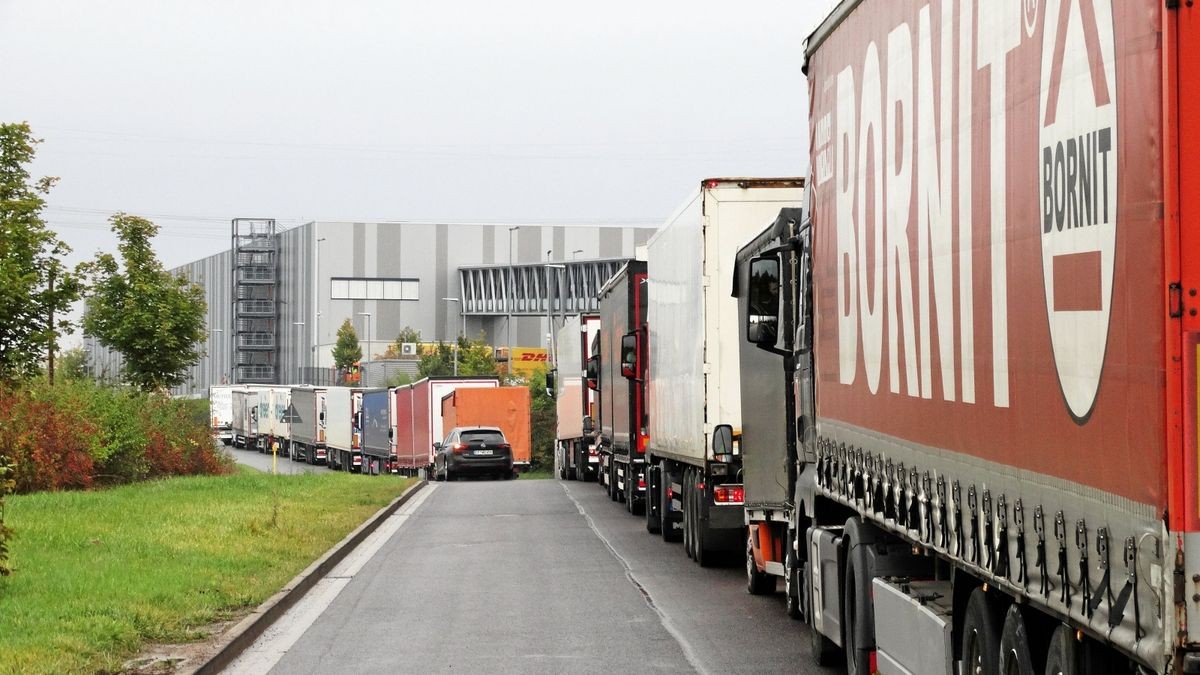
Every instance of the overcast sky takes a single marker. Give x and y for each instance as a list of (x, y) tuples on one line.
[(193, 113)]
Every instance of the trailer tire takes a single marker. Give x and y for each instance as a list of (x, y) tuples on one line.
[(1063, 655), (669, 532), (653, 518), (858, 659), (757, 583), (1015, 654), (689, 520), (793, 585), (981, 635), (824, 651)]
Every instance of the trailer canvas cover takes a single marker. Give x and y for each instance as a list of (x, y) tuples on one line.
[(988, 264)]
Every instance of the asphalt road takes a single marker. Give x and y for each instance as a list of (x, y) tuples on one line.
[(527, 577), (262, 461)]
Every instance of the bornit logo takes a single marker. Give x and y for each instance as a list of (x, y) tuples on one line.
[(1079, 190)]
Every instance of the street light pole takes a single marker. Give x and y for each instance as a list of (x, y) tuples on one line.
[(510, 299), (549, 317), (368, 315), (463, 314), (316, 295), (299, 323)]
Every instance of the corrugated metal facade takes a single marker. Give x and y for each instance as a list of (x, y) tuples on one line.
[(428, 253)]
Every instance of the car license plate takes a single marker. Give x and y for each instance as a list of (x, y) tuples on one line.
[(593, 459), (483, 452)]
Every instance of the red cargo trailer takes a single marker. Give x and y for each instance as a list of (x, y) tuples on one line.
[(988, 318), (419, 417)]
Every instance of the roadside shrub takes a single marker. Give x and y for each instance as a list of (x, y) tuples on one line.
[(7, 484), (44, 441), (79, 434)]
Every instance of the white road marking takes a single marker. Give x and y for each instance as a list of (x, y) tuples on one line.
[(667, 624), (280, 636)]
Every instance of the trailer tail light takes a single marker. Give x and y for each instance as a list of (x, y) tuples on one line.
[(641, 483), (643, 441), (459, 448), (729, 494)]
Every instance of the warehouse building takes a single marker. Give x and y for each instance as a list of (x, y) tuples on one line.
[(296, 287)]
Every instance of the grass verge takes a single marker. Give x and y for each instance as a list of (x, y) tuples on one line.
[(537, 475), (97, 575)]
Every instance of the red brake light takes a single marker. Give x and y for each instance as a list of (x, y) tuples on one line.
[(458, 448), (729, 494)]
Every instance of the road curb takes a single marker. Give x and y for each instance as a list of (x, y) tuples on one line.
[(240, 637)]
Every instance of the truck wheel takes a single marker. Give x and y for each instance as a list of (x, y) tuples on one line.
[(792, 584), (686, 499), (1015, 656), (651, 501), (981, 636), (1063, 657), (824, 652), (757, 583), (858, 659), (669, 532)]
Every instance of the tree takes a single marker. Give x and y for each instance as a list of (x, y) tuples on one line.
[(72, 364), (346, 351), (408, 334), (475, 359), (543, 418), (154, 318), (36, 289), (437, 362)]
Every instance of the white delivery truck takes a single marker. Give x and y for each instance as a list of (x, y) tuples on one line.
[(220, 406), (245, 424), (276, 426), (343, 422), (575, 453), (307, 425), (693, 493)]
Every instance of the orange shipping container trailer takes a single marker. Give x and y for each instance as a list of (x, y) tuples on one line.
[(504, 407)]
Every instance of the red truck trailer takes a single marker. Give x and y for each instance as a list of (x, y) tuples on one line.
[(988, 325), (504, 407), (418, 418)]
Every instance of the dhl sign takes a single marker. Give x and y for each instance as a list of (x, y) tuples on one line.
[(526, 360)]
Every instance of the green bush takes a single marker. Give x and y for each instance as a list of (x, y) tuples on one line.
[(77, 434), (6, 487)]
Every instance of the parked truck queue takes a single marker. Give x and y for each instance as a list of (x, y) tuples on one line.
[(946, 401), (373, 431)]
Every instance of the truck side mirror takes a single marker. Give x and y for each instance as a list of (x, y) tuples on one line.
[(762, 318), (589, 425), (629, 356), (722, 442), (593, 373), (551, 389)]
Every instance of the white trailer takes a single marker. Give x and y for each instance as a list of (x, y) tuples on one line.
[(694, 494), (307, 424), (246, 416), (276, 425), (220, 406), (343, 422), (575, 453)]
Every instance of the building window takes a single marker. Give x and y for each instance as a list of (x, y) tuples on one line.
[(346, 288)]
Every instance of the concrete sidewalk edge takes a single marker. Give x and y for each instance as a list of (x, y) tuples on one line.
[(240, 637)]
